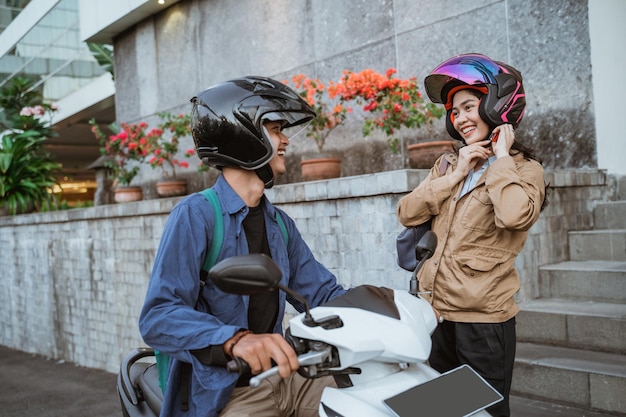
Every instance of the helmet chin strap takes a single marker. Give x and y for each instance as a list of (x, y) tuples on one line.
[(266, 175)]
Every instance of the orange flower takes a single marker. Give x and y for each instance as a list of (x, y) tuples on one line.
[(392, 103), (318, 96)]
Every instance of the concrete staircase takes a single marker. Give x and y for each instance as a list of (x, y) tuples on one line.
[(571, 348)]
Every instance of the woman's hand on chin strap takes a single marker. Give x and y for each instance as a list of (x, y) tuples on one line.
[(506, 137), (469, 157)]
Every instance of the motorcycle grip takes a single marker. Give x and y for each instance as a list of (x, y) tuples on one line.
[(238, 366)]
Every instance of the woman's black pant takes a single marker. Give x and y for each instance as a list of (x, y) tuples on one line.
[(489, 348)]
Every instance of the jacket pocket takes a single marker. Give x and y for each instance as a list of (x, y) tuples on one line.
[(472, 289), (478, 212)]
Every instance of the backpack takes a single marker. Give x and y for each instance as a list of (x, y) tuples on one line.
[(162, 360)]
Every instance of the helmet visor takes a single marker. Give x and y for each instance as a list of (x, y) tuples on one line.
[(293, 122), (471, 69)]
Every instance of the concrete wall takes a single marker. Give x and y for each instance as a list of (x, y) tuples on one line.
[(167, 58), (606, 31), (73, 282)]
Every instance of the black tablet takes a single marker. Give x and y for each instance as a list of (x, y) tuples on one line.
[(458, 393)]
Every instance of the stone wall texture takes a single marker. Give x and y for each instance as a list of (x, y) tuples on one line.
[(73, 282), (166, 59)]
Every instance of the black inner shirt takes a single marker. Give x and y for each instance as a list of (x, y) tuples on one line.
[(263, 308)]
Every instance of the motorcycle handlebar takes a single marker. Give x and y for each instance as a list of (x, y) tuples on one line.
[(238, 365)]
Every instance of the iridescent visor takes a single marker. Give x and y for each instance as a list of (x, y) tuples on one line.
[(469, 69)]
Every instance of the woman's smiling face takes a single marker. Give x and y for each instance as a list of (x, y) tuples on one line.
[(466, 119)]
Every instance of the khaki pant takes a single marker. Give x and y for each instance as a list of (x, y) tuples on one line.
[(276, 397)]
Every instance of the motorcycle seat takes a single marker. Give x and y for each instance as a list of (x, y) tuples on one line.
[(146, 376)]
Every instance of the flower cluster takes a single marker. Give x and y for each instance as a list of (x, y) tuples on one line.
[(133, 144), (165, 150), (127, 147), (329, 116), (38, 110), (392, 102)]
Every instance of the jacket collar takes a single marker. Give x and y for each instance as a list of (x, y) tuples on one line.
[(233, 202)]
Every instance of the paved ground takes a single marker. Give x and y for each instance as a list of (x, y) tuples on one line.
[(34, 386)]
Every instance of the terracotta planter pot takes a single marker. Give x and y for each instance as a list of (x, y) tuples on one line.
[(171, 188), (128, 194), (424, 154), (320, 168)]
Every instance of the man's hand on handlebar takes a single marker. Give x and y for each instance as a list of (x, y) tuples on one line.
[(259, 350)]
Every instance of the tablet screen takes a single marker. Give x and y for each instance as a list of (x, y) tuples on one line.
[(458, 393)]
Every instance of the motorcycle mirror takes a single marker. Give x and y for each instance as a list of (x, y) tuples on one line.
[(426, 246), (255, 274), (246, 274), (423, 250)]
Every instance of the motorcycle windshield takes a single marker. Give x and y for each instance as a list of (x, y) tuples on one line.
[(369, 298)]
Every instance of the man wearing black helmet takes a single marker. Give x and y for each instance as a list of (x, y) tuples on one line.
[(482, 200), (240, 127)]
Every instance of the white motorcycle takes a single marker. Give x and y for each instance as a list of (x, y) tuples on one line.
[(374, 341)]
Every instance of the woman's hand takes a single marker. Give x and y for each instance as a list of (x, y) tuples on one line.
[(470, 156), (505, 139)]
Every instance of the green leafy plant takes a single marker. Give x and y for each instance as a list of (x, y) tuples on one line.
[(27, 172), (103, 54)]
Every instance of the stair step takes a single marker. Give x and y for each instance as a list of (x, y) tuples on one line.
[(600, 245), (610, 215), (529, 407), (584, 280), (575, 324), (591, 380)]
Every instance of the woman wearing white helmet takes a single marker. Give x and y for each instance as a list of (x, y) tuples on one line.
[(482, 200)]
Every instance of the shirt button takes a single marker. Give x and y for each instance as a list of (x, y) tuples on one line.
[(436, 263)]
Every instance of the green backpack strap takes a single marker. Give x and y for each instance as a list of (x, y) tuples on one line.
[(283, 228), (218, 231), (162, 360)]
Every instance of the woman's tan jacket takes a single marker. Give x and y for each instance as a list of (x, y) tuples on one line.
[(471, 276)]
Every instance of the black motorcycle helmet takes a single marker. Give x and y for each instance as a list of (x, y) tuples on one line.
[(227, 122), (503, 101)]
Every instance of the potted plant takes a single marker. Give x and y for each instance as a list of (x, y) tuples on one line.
[(389, 103), (329, 116), (164, 150), (127, 148)]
